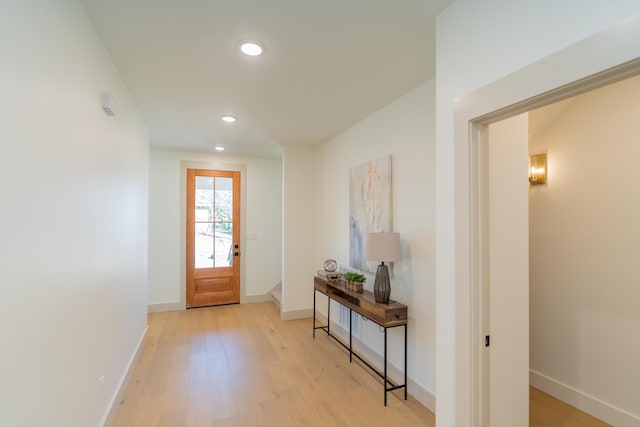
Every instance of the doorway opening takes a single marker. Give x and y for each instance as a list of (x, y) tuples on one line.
[(556, 221), (584, 245), (213, 238)]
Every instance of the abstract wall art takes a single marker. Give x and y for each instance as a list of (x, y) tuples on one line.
[(369, 206)]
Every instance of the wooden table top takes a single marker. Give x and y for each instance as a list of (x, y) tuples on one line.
[(387, 315)]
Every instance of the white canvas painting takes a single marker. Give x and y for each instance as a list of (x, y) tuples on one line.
[(369, 206)]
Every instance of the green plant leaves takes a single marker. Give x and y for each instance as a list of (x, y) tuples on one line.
[(354, 277)]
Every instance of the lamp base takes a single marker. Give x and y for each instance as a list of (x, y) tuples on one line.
[(382, 286)]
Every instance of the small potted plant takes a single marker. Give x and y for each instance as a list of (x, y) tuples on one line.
[(354, 281)]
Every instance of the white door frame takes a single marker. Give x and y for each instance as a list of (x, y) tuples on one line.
[(601, 59)]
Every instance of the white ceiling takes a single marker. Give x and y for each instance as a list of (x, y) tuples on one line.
[(327, 64)]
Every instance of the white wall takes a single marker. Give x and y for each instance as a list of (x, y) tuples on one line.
[(585, 241), (262, 211), (73, 245), (478, 43), (405, 130), (301, 230)]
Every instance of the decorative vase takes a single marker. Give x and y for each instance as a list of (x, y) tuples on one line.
[(382, 286)]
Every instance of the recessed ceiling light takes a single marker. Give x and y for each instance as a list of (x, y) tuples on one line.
[(228, 119), (251, 48), (218, 148)]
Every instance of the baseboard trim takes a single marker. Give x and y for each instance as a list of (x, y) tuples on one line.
[(589, 404), (168, 306), (244, 299), (110, 415), (415, 389), (250, 299), (296, 314)]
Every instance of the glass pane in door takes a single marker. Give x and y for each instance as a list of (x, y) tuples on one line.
[(204, 198), (224, 199), (224, 244), (204, 257)]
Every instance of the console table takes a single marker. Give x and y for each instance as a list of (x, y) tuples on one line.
[(387, 316)]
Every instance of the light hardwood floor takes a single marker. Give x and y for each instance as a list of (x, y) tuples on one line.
[(547, 411), (240, 365)]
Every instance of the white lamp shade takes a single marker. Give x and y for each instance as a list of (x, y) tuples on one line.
[(382, 247)]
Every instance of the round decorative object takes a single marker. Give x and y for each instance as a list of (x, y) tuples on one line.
[(330, 265)]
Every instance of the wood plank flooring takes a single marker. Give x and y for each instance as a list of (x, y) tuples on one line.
[(240, 365), (547, 411)]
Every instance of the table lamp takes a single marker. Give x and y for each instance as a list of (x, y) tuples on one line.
[(382, 247)]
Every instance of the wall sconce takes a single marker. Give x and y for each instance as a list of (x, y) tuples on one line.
[(538, 169)]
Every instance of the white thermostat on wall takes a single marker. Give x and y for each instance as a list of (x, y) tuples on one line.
[(108, 104)]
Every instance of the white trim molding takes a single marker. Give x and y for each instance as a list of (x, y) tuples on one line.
[(250, 299), (167, 306), (114, 404), (180, 305), (297, 314)]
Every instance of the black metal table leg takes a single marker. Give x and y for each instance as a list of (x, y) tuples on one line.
[(328, 316), (385, 366), (353, 304), (350, 335), (405, 361)]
